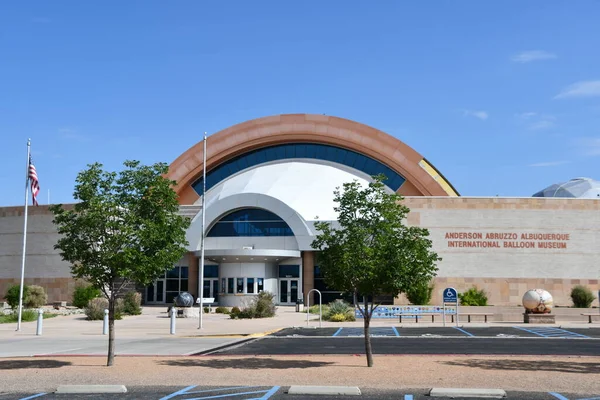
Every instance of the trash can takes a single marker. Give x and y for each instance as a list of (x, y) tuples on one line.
[(300, 305)]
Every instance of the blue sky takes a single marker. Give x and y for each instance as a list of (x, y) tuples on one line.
[(502, 97)]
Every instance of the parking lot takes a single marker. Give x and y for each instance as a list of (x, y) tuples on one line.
[(448, 331)]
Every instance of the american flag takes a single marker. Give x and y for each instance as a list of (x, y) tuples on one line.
[(35, 184)]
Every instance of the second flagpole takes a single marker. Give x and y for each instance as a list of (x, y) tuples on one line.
[(24, 237)]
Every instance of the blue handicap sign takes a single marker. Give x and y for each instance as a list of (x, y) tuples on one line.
[(450, 295)]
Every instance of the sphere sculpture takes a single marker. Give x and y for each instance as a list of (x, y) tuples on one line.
[(184, 300), (537, 301)]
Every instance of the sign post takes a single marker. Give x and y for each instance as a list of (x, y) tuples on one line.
[(451, 297)]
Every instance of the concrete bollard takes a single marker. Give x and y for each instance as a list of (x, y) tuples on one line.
[(105, 325), (173, 316), (40, 322)]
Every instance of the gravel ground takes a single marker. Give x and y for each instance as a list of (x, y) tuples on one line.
[(517, 373)]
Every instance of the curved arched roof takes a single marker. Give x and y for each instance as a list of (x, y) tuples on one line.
[(420, 177)]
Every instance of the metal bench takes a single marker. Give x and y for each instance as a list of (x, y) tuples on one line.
[(485, 316), (417, 315), (590, 316)]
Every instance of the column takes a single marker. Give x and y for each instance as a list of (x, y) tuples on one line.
[(308, 275), (193, 274)]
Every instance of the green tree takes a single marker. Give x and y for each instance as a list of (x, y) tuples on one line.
[(124, 228), (370, 252)]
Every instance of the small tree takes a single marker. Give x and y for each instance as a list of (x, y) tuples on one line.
[(420, 293), (124, 229), (372, 252)]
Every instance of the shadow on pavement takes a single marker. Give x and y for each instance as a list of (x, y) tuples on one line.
[(525, 365), (30, 364), (250, 363)]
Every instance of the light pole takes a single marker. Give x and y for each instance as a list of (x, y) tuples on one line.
[(201, 272)]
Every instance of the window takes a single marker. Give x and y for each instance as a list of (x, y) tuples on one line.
[(289, 271), (242, 285), (211, 271), (176, 282), (250, 222), (299, 150)]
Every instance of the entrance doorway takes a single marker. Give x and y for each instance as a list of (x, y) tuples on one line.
[(155, 293), (211, 289), (288, 291)]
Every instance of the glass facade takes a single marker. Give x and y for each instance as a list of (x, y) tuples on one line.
[(300, 151), (250, 222), (176, 282)]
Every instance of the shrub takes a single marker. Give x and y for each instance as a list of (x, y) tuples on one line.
[(315, 309), (350, 317), (582, 296), (261, 307), (12, 295), (338, 307), (420, 293), (95, 309), (36, 297), (473, 297), (221, 310), (264, 306), (132, 303), (339, 311), (206, 310), (337, 317), (235, 310), (83, 294)]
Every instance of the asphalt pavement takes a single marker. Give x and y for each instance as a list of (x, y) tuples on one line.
[(271, 393)]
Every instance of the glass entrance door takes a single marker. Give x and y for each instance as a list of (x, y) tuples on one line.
[(288, 291), (155, 293), (211, 289)]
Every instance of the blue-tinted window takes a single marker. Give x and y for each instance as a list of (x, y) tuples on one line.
[(211, 271), (289, 271), (250, 222), (324, 152)]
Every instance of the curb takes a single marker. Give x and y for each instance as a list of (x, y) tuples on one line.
[(90, 389), (468, 393), (235, 335), (325, 390)]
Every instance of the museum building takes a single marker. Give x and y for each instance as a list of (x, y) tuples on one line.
[(270, 179)]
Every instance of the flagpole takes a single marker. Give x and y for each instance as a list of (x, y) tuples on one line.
[(201, 285), (24, 237)]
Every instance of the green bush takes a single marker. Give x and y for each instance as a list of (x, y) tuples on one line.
[(582, 296), (315, 309), (221, 310), (339, 311), (206, 310), (132, 303), (261, 307), (473, 297), (420, 293), (338, 307), (36, 297), (83, 294), (95, 309), (12, 295)]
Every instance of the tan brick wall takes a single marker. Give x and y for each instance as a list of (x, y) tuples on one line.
[(507, 273), (58, 289)]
